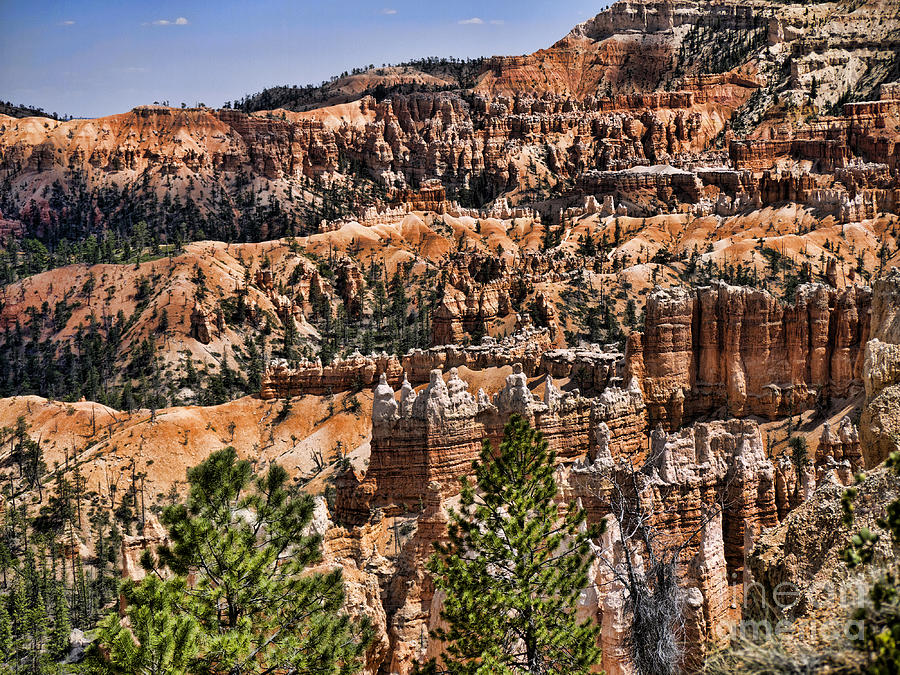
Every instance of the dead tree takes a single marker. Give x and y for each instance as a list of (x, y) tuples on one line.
[(648, 571)]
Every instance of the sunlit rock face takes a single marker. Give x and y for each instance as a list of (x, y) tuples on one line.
[(742, 349), (432, 436), (707, 491), (879, 425)]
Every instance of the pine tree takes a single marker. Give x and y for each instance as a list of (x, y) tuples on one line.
[(258, 608), (37, 631), (59, 637), (6, 636), (6, 561), (160, 640), (18, 613), (800, 459), (514, 567)]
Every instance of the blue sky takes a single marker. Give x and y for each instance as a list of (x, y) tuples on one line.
[(99, 57)]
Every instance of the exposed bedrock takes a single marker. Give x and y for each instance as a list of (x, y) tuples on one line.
[(742, 351), (282, 380), (708, 490), (432, 437), (803, 554), (880, 420), (838, 455)]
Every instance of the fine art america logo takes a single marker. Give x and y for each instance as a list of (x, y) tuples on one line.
[(772, 610)]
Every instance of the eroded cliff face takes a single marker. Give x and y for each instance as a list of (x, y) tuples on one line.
[(738, 90), (711, 489), (743, 350), (202, 152), (804, 554), (432, 437), (283, 380), (646, 44), (880, 420), (707, 491), (638, 134)]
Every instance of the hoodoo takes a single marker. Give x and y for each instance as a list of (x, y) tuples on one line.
[(581, 359)]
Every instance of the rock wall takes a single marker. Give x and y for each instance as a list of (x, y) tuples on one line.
[(865, 130), (408, 139), (484, 293), (665, 182), (803, 554), (383, 562), (706, 491), (592, 368), (281, 380), (526, 346), (880, 420), (432, 437), (460, 313), (838, 455), (743, 350)]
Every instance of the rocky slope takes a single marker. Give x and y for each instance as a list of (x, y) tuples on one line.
[(530, 127), (646, 46), (109, 446), (800, 582), (665, 241)]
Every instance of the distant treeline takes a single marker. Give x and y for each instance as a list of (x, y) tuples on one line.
[(461, 72), (21, 110)]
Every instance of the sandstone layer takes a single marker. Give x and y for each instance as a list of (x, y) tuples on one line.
[(880, 421), (743, 350), (432, 437)]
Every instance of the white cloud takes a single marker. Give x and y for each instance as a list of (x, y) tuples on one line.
[(67, 22), (180, 21), (497, 22), (474, 21), (389, 11)]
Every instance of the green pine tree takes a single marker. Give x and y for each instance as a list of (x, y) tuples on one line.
[(37, 631), (6, 636), (161, 639), (800, 459), (19, 615), (258, 608), (6, 561), (514, 567), (59, 637)]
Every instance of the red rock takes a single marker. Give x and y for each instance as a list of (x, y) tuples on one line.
[(431, 438), (743, 349)]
